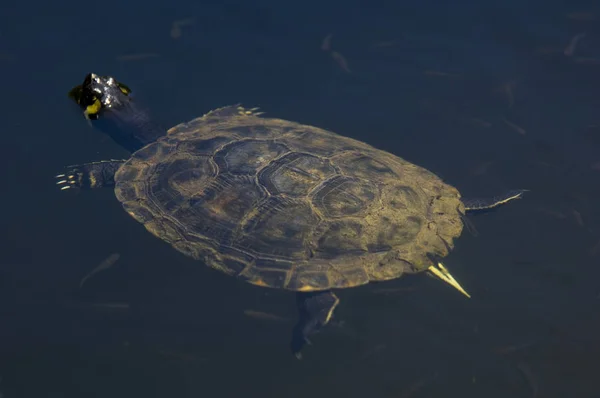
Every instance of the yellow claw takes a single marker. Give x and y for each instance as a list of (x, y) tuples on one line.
[(444, 275)]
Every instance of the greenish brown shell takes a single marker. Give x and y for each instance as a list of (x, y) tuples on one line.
[(286, 205)]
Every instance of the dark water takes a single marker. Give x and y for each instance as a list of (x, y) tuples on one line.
[(433, 82)]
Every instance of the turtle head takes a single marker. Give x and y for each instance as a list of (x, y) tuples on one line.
[(110, 103), (98, 93)]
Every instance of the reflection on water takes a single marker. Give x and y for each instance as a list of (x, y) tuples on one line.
[(489, 99)]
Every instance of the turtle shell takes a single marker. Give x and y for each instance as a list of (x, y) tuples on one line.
[(287, 205)]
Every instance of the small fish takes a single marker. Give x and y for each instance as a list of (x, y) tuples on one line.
[(570, 49), (175, 31), (577, 217), (339, 58), (326, 45), (264, 316), (507, 90), (176, 27), (104, 265), (518, 129)]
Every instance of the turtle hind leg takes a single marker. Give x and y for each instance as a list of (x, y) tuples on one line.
[(315, 310), (89, 175), (442, 273), (477, 205)]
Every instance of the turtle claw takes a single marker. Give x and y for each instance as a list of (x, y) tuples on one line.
[(442, 272), (249, 112), (69, 179)]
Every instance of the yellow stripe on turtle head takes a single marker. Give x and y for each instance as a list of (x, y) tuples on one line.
[(93, 109), (124, 89)]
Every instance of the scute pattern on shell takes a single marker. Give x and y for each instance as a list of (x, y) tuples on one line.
[(286, 205)]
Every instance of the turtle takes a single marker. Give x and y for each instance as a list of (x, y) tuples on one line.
[(273, 202)]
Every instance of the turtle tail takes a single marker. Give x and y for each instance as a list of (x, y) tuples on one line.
[(474, 205)]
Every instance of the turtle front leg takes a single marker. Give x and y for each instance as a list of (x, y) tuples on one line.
[(89, 175), (315, 310)]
